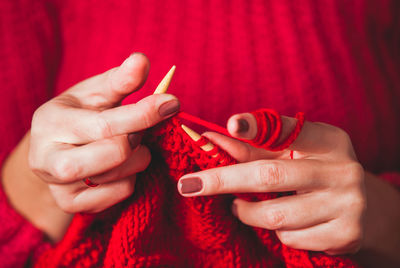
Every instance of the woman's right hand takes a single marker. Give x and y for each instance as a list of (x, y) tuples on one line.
[(85, 133)]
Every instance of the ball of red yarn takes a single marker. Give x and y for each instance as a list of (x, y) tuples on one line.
[(269, 129)]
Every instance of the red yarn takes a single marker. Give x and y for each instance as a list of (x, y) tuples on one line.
[(336, 60), (158, 227), (270, 127), (89, 183), (203, 123)]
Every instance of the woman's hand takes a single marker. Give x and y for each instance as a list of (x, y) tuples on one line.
[(85, 133), (327, 212)]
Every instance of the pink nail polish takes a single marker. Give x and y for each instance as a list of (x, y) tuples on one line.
[(134, 140), (191, 185), (168, 108), (243, 126)]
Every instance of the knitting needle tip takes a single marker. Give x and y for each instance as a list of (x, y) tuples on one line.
[(165, 82), (196, 136)]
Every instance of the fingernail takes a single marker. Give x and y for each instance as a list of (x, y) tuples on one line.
[(136, 53), (134, 140), (129, 60), (191, 185), (168, 108), (243, 126), (234, 209)]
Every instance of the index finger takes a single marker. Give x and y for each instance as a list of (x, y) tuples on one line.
[(82, 126), (257, 176)]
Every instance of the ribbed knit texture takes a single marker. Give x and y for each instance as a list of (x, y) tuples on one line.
[(336, 60), (26, 73), (19, 240)]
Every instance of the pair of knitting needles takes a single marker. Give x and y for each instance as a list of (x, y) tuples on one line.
[(162, 88)]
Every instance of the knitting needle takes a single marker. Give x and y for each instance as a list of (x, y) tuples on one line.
[(162, 88), (165, 82), (196, 136)]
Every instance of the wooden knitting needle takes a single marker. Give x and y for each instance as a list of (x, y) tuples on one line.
[(196, 136), (164, 84), (162, 88)]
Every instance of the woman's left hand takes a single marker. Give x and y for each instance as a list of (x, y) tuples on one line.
[(326, 214)]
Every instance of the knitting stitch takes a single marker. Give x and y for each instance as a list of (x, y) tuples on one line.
[(337, 60), (158, 227)]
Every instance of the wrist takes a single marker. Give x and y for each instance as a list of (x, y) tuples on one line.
[(30, 196), (382, 221)]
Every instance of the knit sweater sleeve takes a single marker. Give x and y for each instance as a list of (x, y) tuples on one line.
[(28, 54), (19, 240)]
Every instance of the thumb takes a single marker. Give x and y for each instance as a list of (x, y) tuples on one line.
[(109, 88)]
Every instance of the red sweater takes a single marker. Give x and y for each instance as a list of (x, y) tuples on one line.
[(338, 61)]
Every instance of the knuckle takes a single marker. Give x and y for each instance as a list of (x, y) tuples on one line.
[(147, 113), (351, 239), (340, 133), (65, 170), (273, 219), (103, 126), (270, 173), (357, 203), (355, 172), (129, 83), (113, 174), (62, 198), (39, 118), (147, 119), (67, 207), (121, 86), (122, 150), (33, 162), (341, 136), (130, 186), (218, 184), (37, 115), (126, 187), (336, 131), (111, 83)]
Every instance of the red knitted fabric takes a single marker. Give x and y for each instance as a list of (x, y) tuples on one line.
[(159, 227), (336, 60)]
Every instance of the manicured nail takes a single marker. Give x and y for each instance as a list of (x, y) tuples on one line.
[(134, 140), (168, 108), (242, 126), (191, 185), (234, 209)]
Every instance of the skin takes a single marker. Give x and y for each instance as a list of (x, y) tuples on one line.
[(84, 133), (43, 176), (30, 196), (334, 192)]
